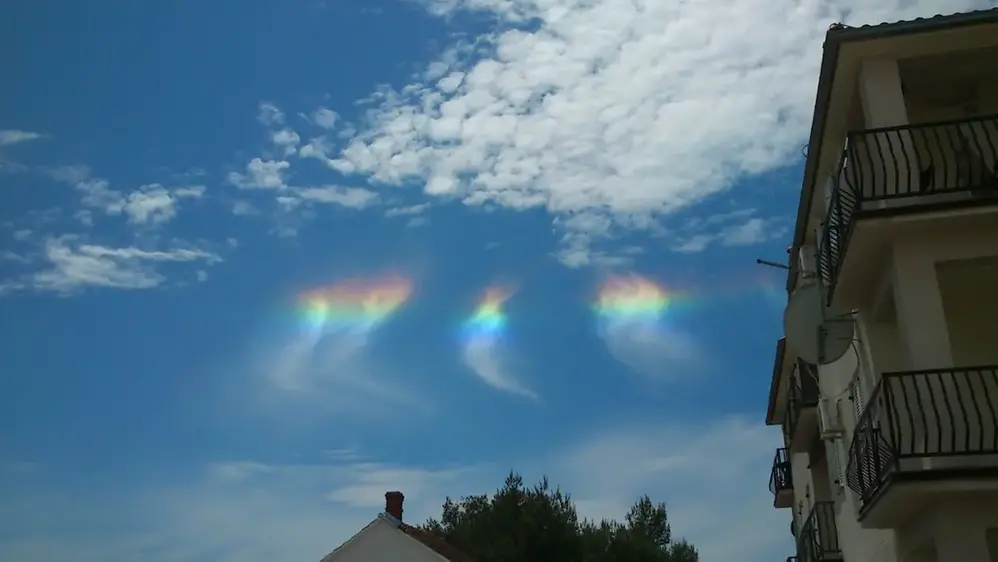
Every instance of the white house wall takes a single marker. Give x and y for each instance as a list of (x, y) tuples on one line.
[(882, 347), (858, 544), (383, 543)]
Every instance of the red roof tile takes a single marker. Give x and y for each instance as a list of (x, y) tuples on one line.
[(435, 543)]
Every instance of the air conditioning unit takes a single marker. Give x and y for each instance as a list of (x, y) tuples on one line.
[(829, 418), (807, 258)]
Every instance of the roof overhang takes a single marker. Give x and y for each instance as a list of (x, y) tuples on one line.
[(776, 385), (844, 48)]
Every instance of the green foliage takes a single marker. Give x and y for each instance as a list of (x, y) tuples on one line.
[(540, 524)]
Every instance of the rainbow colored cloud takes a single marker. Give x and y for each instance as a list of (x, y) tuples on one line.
[(357, 305), (631, 312), (336, 322), (482, 349)]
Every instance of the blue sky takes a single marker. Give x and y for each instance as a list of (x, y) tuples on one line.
[(175, 175)]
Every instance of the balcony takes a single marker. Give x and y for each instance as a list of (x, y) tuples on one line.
[(922, 433), (801, 421), (819, 537), (781, 480), (944, 171)]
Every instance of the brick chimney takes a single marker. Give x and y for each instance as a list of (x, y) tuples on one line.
[(393, 504)]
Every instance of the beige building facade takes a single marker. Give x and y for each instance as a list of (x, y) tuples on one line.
[(891, 451)]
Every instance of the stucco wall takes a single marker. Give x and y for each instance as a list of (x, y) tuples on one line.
[(936, 312), (382, 543), (858, 544), (970, 302)]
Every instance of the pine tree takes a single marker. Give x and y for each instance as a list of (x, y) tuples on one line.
[(540, 524)]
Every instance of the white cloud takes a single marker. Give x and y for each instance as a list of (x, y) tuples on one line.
[(353, 197), (85, 217), (623, 107), (268, 114), (712, 475), (577, 251), (407, 211), (10, 137), (319, 149), (651, 349), (73, 265), (70, 174), (325, 118), (724, 231), (694, 244), (97, 193), (584, 230), (151, 204), (261, 174), (486, 357), (244, 208), (752, 231), (287, 140), (154, 204)]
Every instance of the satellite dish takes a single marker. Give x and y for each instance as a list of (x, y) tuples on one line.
[(816, 333)]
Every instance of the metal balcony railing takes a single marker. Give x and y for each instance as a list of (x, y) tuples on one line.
[(897, 169), (947, 415), (780, 478), (819, 536), (803, 394)]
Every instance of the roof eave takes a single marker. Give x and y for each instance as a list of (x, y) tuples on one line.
[(774, 385), (826, 77), (834, 39)]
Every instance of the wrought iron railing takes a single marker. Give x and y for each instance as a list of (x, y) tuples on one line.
[(898, 167), (781, 477), (939, 414), (834, 235), (819, 536), (803, 394)]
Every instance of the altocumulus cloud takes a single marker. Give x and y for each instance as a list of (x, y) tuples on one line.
[(68, 264), (632, 108)]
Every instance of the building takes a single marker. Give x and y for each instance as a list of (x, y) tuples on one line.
[(898, 220), (388, 538)]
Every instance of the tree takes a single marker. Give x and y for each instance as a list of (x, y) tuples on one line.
[(540, 524)]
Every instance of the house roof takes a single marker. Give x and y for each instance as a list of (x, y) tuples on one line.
[(435, 543), (974, 17), (836, 36), (429, 540)]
